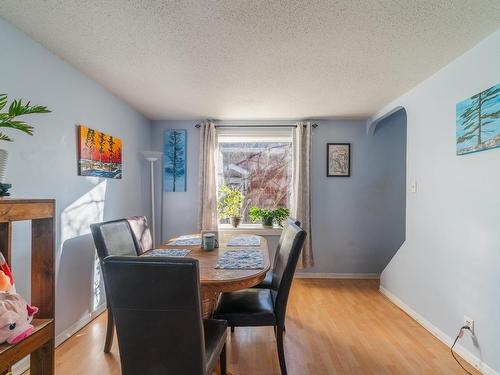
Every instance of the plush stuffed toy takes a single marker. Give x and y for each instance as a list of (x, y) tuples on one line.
[(15, 318), (15, 314), (6, 279)]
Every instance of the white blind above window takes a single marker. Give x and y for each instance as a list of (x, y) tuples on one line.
[(262, 134)]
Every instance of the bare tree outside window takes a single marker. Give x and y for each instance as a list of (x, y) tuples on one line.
[(261, 171)]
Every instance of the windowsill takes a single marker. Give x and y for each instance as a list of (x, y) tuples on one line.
[(251, 229)]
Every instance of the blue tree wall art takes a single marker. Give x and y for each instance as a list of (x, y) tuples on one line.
[(175, 160), (478, 122)]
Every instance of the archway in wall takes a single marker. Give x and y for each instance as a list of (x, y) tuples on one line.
[(392, 230)]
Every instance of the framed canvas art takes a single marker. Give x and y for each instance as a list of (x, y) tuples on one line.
[(175, 160), (99, 154), (338, 163), (478, 122)]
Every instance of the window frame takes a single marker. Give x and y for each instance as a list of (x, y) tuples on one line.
[(244, 134)]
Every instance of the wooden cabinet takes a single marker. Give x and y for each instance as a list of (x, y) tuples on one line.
[(41, 343)]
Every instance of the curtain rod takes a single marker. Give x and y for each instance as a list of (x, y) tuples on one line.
[(255, 126)]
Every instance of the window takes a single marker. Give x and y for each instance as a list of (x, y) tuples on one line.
[(258, 162)]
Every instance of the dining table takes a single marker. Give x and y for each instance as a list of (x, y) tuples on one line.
[(214, 281)]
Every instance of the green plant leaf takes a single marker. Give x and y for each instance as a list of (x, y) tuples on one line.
[(18, 125), (278, 215), (230, 202), (4, 137), (3, 100), (17, 108)]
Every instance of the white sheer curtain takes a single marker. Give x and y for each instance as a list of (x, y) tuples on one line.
[(300, 198), (207, 206)]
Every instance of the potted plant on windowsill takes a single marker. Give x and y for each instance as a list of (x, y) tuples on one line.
[(269, 217), (230, 204), (9, 119)]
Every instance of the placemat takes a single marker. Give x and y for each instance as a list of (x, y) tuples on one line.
[(244, 241), (187, 240), (188, 236), (241, 259), (167, 253)]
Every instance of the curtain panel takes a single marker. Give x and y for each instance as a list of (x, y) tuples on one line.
[(207, 205), (301, 181)]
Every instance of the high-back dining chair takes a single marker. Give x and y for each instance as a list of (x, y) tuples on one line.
[(112, 238), (157, 307), (142, 233), (266, 283), (266, 307)]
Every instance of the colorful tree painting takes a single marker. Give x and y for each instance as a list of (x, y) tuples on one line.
[(100, 155), (478, 122), (175, 161)]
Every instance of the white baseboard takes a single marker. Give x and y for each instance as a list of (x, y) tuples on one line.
[(443, 337), (22, 366), (316, 275), (71, 330)]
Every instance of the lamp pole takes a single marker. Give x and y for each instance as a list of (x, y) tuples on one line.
[(152, 156)]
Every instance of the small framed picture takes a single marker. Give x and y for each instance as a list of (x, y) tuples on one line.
[(338, 163)]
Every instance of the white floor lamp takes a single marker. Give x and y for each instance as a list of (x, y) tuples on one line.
[(152, 156)]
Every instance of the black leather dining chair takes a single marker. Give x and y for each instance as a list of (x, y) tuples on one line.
[(266, 283), (157, 307), (112, 238), (266, 307), (142, 233)]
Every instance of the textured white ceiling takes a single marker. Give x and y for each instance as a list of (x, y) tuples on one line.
[(256, 59)]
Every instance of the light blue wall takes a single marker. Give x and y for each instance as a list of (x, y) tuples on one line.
[(358, 222), (449, 265), (180, 209), (45, 165)]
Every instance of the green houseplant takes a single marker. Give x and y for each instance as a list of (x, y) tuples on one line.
[(9, 118), (230, 204), (269, 216)]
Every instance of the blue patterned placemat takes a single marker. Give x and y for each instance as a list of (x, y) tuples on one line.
[(187, 240), (167, 253), (241, 259), (244, 241), (188, 236)]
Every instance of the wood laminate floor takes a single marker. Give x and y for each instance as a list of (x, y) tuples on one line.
[(333, 327)]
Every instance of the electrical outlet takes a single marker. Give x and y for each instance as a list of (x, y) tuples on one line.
[(468, 322)]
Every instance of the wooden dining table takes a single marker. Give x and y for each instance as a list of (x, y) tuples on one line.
[(215, 281)]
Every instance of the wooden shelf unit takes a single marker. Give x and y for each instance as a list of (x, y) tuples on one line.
[(41, 213)]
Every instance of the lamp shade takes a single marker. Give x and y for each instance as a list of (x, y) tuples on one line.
[(152, 155)]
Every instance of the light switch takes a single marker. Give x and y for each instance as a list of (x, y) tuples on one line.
[(413, 187)]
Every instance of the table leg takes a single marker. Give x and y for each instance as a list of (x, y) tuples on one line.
[(208, 302)]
